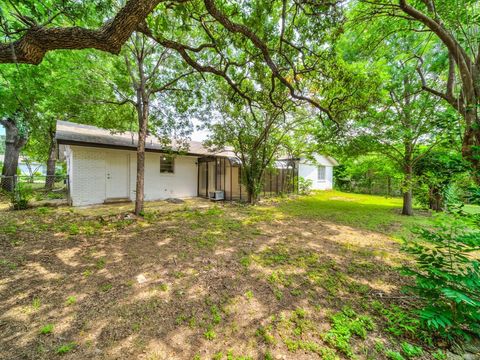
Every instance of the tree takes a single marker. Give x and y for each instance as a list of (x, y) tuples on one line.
[(451, 26), (35, 28), (256, 136), (437, 171), (15, 138), (147, 72)]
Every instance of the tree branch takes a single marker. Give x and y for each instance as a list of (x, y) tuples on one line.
[(38, 40)]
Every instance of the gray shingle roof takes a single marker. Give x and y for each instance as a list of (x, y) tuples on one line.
[(88, 135)]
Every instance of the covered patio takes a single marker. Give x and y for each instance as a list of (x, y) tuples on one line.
[(224, 174)]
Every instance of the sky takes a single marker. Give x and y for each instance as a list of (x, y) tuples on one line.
[(2, 130)]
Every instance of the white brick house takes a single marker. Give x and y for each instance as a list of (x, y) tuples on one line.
[(102, 168)]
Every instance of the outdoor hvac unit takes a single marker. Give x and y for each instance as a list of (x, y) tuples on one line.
[(217, 195)]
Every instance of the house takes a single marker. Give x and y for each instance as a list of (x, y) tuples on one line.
[(101, 167), (27, 167)]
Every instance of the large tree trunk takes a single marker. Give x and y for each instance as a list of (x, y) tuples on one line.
[(14, 142), (436, 200), (50, 179), (470, 144), (407, 203), (407, 208), (142, 111)]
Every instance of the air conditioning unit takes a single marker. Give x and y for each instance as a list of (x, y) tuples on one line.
[(217, 195)]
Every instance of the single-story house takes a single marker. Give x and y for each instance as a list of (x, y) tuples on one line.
[(101, 168), (28, 167)]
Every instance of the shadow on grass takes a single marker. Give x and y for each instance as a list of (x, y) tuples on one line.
[(194, 281)]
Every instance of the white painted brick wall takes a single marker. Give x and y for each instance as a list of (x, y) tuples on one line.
[(88, 176), (307, 170)]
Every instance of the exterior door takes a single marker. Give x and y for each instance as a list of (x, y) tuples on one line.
[(117, 176)]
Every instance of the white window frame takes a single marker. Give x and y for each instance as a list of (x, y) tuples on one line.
[(320, 169), (162, 158)]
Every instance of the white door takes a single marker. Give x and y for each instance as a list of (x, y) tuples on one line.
[(117, 176)]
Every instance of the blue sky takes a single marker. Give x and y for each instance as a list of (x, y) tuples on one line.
[(2, 130)]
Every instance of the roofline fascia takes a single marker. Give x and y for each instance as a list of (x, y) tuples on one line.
[(130, 148)]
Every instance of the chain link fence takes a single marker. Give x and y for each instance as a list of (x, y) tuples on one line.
[(39, 187)]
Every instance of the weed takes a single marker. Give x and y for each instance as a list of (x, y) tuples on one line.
[(399, 322), (218, 356), (87, 273), (36, 303), (71, 300), (163, 287), (379, 346), (106, 287), (394, 355), (8, 264), (245, 261), (46, 329), (411, 351), (345, 324), (439, 355), (278, 294), (310, 346), (43, 210), (249, 294), (63, 349), (73, 229), (210, 334), (265, 334), (100, 264), (231, 356), (216, 316)]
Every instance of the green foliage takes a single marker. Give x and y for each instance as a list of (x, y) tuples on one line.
[(71, 300), (21, 195), (411, 351), (210, 334), (304, 186), (447, 277), (437, 171), (47, 329), (345, 324), (63, 349), (394, 355)]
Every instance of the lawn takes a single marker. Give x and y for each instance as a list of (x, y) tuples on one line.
[(310, 277)]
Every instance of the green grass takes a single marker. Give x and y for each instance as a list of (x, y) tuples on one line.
[(368, 212)]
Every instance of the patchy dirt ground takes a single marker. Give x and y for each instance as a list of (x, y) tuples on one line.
[(197, 281)]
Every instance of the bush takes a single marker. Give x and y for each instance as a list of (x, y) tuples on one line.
[(21, 196), (304, 186), (447, 277)]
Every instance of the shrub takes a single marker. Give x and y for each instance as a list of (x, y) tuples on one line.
[(447, 277), (21, 196), (304, 186)]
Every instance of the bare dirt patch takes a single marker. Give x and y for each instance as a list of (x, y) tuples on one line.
[(190, 281)]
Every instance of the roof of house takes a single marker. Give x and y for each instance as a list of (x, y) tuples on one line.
[(69, 133)]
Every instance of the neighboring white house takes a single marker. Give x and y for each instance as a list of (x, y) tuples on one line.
[(26, 167), (319, 171), (102, 168)]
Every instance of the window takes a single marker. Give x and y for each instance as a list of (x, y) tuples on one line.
[(321, 173), (167, 164)]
